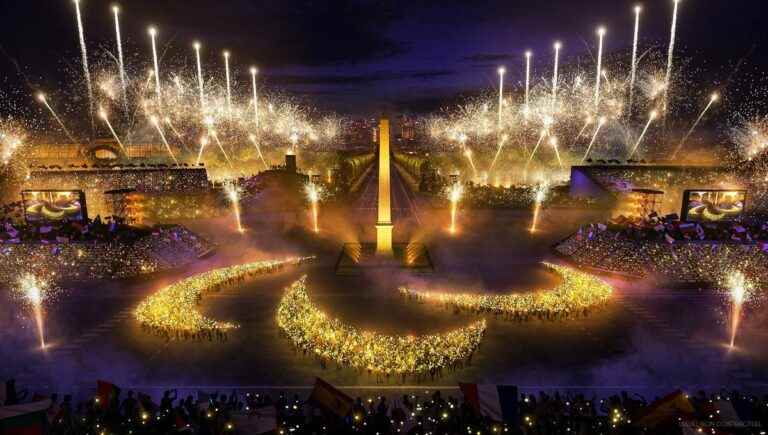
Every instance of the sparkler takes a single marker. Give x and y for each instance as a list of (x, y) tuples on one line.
[(313, 195), (103, 116), (454, 196), (712, 99), (670, 56), (229, 85), (41, 97), (633, 73), (156, 123), (501, 71), (152, 34), (600, 123), (233, 193), (557, 46), (653, 116), (599, 73), (539, 195), (84, 55), (740, 289), (255, 71), (116, 11), (196, 45), (258, 150), (34, 292)]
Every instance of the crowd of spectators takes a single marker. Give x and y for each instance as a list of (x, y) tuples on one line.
[(680, 252), (429, 412), (74, 251)]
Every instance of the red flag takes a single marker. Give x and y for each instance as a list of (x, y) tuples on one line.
[(330, 398), (105, 393)]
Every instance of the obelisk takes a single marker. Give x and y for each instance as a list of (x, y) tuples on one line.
[(384, 222)]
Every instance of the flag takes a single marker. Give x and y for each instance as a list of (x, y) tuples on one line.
[(330, 398), (258, 421), (663, 410), (498, 402), (105, 393), (25, 419)]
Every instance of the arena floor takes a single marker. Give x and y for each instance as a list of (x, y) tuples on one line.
[(645, 339)]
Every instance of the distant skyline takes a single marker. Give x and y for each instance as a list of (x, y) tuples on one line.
[(361, 57)]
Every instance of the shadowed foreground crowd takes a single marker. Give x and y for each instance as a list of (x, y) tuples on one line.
[(431, 412)]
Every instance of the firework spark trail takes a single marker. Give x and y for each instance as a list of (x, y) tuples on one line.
[(203, 143), (642, 135), (116, 10), (600, 124), (173, 129), (502, 140), (553, 142), (103, 116), (583, 129), (84, 55), (533, 153), (502, 70), (153, 34), (633, 73), (42, 99), (221, 147), (554, 74), (712, 99), (528, 55), (258, 150), (196, 45), (539, 195), (599, 73), (255, 71), (156, 123), (670, 57), (229, 85)]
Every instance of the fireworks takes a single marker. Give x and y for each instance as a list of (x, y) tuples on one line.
[(255, 71), (454, 196), (196, 45), (600, 123), (172, 308), (33, 293), (599, 72), (233, 193), (670, 56), (105, 118), (557, 47), (576, 294), (229, 84), (712, 99), (313, 195), (652, 116), (121, 64), (312, 330), (501, 72), (152, 34), (740, 290), (539, 195), (156, 123), (84, 56), (633, 74)]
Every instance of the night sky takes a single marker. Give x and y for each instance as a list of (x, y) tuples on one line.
[(359, 57)]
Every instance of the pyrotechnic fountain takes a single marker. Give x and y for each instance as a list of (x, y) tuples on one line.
[(196, 46), (557, 47), (454, 196), (255, 71), (528, 55), (540, 194), (740, 289), (313, 195), (34, 293), (501, 72), (229, 84), (233, 193), (384, 222), (670, 57)]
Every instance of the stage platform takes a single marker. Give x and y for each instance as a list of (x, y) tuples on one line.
[(356, 258)]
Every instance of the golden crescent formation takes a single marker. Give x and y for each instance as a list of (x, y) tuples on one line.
[(312, 330), (173, 308), (576, 294)]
